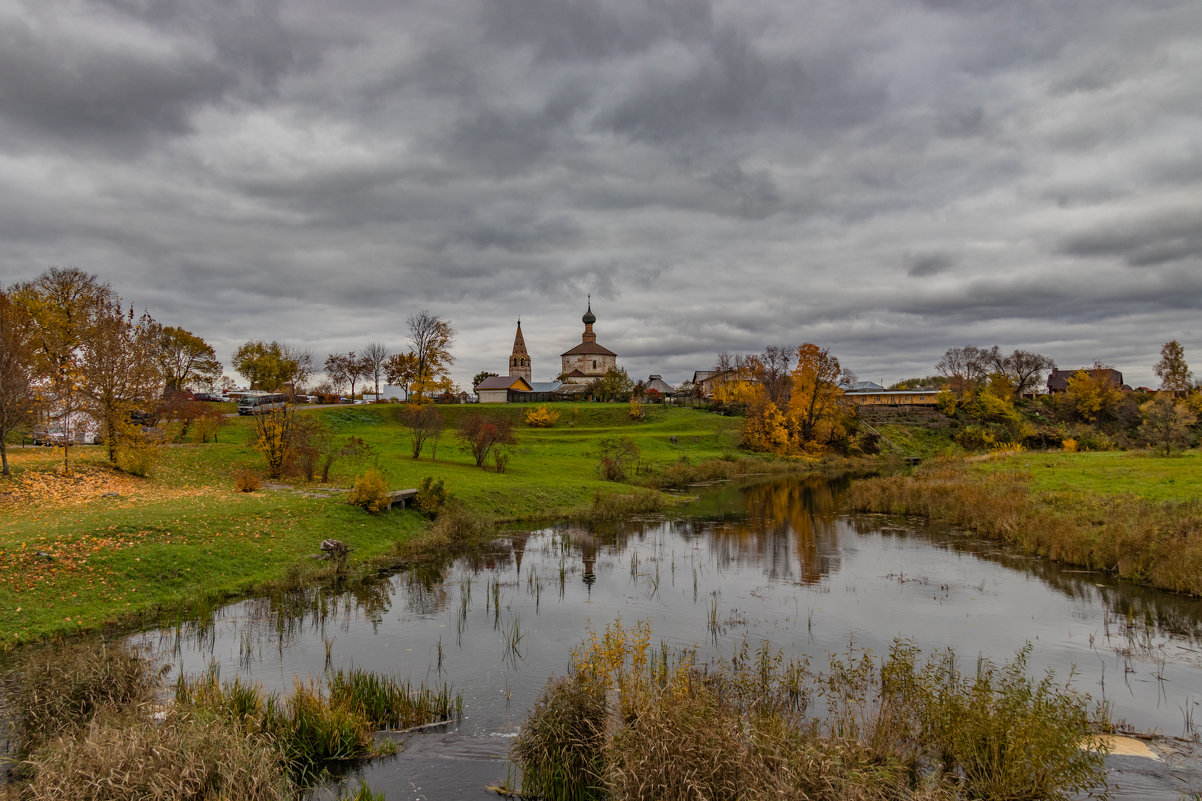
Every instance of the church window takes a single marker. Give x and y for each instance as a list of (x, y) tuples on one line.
[(594, 364)]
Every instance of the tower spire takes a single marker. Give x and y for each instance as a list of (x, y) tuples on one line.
[(519, 359), (588, 319)]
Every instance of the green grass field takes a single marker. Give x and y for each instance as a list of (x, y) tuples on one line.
[(76, 556), (1138, 473)]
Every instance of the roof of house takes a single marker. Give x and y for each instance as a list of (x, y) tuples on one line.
[(865, 386), (660, 385), (589, 348), (544, 386), (1058, 379), (504, 382), (573, 389)]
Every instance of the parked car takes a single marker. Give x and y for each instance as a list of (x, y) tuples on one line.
[(207, 397)]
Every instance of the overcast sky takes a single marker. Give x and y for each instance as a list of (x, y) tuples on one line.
[(887, 178)]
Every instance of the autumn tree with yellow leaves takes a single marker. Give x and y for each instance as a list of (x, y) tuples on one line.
[(121, 370), (805, 415), (814, 404)]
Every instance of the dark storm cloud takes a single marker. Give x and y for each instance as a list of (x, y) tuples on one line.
[(1170, 238), (574, 30), (886, 178), (932, 264), (98, 94), (727, 87)]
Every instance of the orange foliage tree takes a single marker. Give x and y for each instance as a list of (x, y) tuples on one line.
[(814, 408)]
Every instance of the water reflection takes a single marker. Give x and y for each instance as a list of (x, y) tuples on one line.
[(772, 560)]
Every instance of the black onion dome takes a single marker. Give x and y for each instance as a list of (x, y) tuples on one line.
[(589, 318)]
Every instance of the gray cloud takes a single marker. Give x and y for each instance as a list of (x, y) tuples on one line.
[(888, 179)]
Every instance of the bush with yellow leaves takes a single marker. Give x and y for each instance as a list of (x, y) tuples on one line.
[(369, 492), (542, 417)]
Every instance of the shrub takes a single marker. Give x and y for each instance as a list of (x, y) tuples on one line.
[(542, 417), (617, 454), (1069, 445), (247, 479), (273, 438), (480, 432), (500, 458), (458, 524), (431, 496), (138, 457), (369, 492), (1007, 736)]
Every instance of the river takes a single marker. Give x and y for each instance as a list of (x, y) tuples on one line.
[(777, 560)]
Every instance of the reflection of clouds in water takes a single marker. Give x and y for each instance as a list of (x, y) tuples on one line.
[(777, 556), (1141, 611)]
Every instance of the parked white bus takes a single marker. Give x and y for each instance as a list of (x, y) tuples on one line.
[(261, 404)]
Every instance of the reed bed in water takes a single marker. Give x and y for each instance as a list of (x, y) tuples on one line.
[(1153, 542), (108, 739), (628, 722)]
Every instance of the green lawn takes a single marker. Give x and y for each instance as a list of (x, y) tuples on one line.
[(185, 534), (1137, 473)]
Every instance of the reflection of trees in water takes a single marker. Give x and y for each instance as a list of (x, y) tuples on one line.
[(282, 617), (788, 526), (1133, 608), (783, 522)]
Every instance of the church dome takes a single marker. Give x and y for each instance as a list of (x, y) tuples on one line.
[(589, 318)]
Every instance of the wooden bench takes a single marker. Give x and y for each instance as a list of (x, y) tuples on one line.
[(401, 498)]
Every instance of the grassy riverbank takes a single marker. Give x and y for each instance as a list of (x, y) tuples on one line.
[(101, 547), (1132, 514)]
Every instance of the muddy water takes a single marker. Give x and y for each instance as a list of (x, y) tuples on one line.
[(779, 561)]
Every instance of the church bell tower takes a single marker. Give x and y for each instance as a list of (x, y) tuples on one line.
[(519, 360)]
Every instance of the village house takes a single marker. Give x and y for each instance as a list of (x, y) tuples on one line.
[(1058, 379)]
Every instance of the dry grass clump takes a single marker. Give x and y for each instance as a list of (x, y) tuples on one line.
[(615, 506), (179, 759), (87, 728), (247, 479), (63, 688), (628, 723), (1157, 543)]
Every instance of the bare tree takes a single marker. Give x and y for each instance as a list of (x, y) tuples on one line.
[(342, 369), (1025, 370), (771, 368), (298, 365), (423, 423), (375, 357), (17, 354), (964, 367)]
